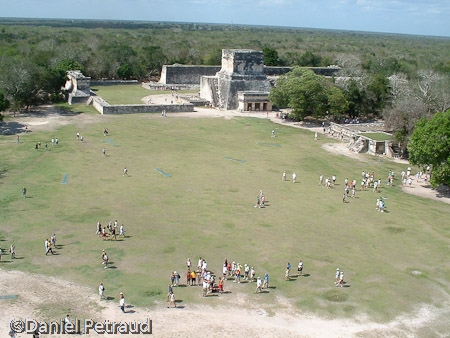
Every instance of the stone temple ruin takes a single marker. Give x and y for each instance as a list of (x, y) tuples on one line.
[(241, 83), (77, 87)]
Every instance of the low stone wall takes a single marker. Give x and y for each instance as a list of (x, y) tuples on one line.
[(113, 82), (104, 107), (147, 108)]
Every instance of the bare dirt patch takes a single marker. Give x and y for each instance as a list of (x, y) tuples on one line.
[(49, 298)]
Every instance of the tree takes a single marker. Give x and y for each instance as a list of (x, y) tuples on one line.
[(271, 57), (125, 72), (378, 93), (303, 91), (337, 103), (19, 82), (4, 103), (430, 145), (213, 58), (309, 59)]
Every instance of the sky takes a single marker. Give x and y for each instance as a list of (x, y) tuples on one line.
[(430, 17)]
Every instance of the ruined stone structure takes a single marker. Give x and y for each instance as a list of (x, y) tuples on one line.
[(362, 144), (242, 71), (78, 87), (254, 101)]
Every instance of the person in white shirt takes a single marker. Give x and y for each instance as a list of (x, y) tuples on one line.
[(101, 291), (122, 302), (294, 177), (122, 231), (172, 300), (258, 285)]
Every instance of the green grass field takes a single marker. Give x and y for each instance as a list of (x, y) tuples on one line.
[(206, 209), (378, 136), (130, 94)]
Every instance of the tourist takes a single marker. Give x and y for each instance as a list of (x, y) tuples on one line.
[(320, 179), (46, 146), (353, 192), (53, 142), (263, 201), (315, 136), (233, 269), (101, 291), (172, 278), (12, 250), (258, 285), (225, 271), (78, 136), (221, 282), (283, 178), (105, 259), (105, 132), (337, 276), (257, 203), (36, 147), (252, 274), (48, 247), (193, 278), (246, 271), (172, 300), (294, 177), (177, 278), (205, 286), (346, 181), (56, 141), (122, 302), (122, 231), (334, 179), (273, 133), (300, 268), (188, 263), (266, 281), (200, 263), (82, 138), (286, 275), (237, 276), (104, 152), (53, 240), (409, 182), (18, 139), (188, 277), (341, 279), (24, 192)]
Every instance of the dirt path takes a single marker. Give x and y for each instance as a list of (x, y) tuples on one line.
[(42, 298)]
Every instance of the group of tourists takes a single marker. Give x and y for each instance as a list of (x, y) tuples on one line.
[(12, 251), (50, 246), (110, 231)]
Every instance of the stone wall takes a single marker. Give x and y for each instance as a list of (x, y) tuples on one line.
[(147, 108), (113, 82), (181, 74), (191, 75), (105, 108)]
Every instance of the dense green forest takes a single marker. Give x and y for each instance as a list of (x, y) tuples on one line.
[(399, 77)]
